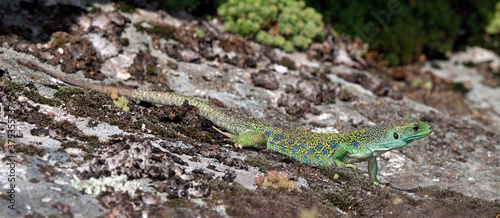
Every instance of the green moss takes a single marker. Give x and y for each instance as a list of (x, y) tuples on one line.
[(124, 7), (11, 88), (288, 46), (36, 97), (261, 162), (199, 33), (493, 26), (166, 32), (176, 203), (164, 132), (57, 42), (194, 133), (92, 142), (301, 42), (273, 22), (69, 144), (30, 150)]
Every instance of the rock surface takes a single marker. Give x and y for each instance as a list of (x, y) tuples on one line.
[(78, 155)]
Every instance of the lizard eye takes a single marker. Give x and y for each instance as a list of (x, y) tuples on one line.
[(396, 136), (415, 129)]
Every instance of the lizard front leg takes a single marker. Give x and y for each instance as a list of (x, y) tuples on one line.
[(373, 170)]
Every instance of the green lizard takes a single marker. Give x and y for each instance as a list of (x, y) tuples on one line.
[(307, 147)]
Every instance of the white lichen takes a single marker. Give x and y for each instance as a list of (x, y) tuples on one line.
[(96, 186)]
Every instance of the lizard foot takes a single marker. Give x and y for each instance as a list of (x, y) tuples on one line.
[(351, 166), (230, 137), (381, 185)]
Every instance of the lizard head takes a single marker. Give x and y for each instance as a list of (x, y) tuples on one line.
[(397, 134)]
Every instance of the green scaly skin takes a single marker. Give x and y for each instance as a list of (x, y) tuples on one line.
[(307, 147)]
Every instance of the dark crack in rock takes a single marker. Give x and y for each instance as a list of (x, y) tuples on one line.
[(229, 176)]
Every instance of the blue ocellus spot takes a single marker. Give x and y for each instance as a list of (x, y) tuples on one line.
[(303, 144), (319, 146), (317, 158), (294, 151), (295, 147), (310, 151), (355, 144), (290, 141), (304, 156), (271, 142), (282, 136), (268, 132), (320, 162), (334, 145), (308, 161), (293, 157), (283, 150), (325, 151), (275, 138), (282, 143)]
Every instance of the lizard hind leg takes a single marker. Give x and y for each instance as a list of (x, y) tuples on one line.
[(252, 138)]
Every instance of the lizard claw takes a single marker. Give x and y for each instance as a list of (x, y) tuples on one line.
[(230, 137)]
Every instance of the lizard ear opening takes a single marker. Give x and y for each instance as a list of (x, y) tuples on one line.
[(396, 136)]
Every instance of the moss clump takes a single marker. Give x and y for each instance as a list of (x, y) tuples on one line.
[(29, 91), (30, 150), (124, 7), (10, 88), (286, 24), (120, 101), (493, 26), (276, 180), (263, 163), (165, 31), (200, 33), (36, 97)]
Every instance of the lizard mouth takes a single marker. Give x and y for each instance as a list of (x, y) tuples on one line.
[(419, 136)]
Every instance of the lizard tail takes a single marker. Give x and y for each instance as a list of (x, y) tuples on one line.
[(120, 91), (235, 124)]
